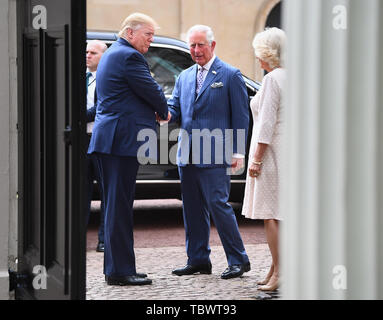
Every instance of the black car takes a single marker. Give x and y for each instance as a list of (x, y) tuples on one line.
[(167, 58)]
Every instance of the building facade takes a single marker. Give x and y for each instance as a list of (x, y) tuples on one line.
[(234, 22)]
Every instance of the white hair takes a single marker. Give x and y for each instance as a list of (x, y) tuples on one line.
[(201, 28), (269, 46)]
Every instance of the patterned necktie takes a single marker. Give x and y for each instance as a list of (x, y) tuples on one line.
[(88, 74), (199, 79)]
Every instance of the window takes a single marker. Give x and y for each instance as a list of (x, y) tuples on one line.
[(166, 64)]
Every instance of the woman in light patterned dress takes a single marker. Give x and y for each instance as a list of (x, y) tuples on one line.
[(262, 181)]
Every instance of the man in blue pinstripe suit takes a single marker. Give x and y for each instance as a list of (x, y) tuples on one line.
[(211, 100)]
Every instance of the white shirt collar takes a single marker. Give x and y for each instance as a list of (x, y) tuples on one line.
[(208, 65), (92, 72)]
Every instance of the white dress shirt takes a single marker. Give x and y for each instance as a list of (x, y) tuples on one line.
[(90, 97), (207, 67)]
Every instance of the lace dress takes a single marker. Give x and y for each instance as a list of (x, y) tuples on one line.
[(261, 193)]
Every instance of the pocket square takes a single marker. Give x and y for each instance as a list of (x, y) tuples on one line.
[(217, 85)]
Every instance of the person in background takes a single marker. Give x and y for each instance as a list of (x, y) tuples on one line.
[(94, 51), (264, 169)]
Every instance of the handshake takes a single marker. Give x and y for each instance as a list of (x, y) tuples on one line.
[(162, 121)]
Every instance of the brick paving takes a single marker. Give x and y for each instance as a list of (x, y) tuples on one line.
[(158, 264), (159, 248)]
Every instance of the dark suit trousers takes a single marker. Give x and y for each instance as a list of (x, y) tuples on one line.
[(205, 192), (118, 180), (92, 174)]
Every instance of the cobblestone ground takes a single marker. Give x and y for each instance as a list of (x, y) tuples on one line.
[(158, 264)]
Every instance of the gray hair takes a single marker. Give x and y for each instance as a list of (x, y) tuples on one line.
[(269, 46), (201, 28)]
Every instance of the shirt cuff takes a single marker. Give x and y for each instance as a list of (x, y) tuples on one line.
[(238, 155)]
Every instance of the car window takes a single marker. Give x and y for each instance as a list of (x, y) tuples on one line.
[(166, 64)]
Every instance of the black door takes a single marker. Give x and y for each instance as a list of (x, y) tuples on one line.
[(52, 231), (275, 16)]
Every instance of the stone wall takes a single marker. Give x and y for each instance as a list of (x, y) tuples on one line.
[(234, 22)]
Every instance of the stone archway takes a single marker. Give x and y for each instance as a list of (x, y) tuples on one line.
[(260, 22)]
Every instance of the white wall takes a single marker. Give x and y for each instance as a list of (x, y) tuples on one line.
[(332, 244), (8, 142)]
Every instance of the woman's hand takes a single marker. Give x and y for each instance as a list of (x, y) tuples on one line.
[(255, 166), (255, 169)]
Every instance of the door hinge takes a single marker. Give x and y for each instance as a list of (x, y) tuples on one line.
[(68, 135)]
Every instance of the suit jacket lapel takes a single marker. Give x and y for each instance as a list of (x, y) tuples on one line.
[(213, 71), (192, 78)]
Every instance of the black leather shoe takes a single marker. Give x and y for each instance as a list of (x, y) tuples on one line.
[(139, 275), (127, 281), (189, 269), (100, 247), (235, 271)]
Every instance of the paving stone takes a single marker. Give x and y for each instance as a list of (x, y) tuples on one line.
[(158, 263)]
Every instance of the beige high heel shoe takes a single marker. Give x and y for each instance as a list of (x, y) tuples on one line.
[(272, 285)]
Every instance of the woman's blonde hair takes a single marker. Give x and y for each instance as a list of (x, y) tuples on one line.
[(135, 21), (269, 46)]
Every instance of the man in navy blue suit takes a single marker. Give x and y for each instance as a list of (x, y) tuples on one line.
[(127, 100), (211, 100), (94, 51)]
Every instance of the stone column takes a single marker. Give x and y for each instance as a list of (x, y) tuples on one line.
[(332, 188), (4, 154)]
